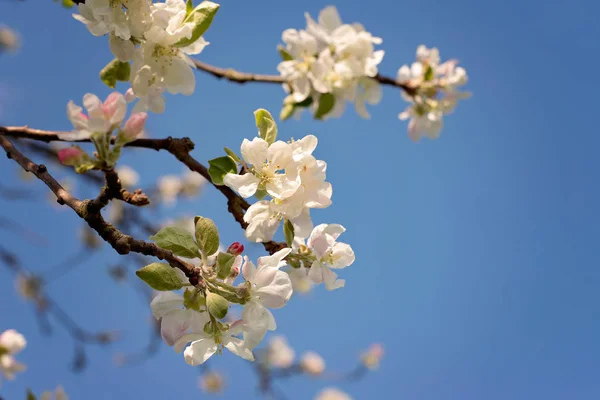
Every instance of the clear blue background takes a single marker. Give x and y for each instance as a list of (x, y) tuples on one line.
[(477, 263)]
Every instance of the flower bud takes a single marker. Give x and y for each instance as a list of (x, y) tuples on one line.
[(114, 108), (373, 356), (134, 125), (70, 155), (212, 382), (312, 363), (236, 249)]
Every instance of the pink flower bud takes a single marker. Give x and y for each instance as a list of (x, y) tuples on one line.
[(114, 108), (70, 155), (236, 248), (134, 125)]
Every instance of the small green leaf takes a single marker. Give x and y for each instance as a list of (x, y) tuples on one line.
[(285, 56), (115, 71), (224, 263), (219, 167), (305, 103), (189, 7), (232, 154), (192, 299), (326, 103), (178, 240), (207, 235), (67, 3), (160, 276), (217, 305), (429, 74), (267, 128), (201, 17), (30, 395), (288, 232)]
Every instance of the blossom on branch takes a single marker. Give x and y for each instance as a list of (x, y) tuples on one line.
[(328, 64), (437, 92), (11, 343)]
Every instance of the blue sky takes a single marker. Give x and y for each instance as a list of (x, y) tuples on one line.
[(476, 263)]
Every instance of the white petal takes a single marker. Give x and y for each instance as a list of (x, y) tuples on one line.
[(255, 314), (277, 293), (248, 270), (254, 152), (175, 324), (246, 185), (179, 77), (166, 302), (237, 347), (200, 351)]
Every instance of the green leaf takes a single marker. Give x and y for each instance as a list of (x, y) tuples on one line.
[(267, 128), (217, 305), (326, 103), (160, 276), (67, 3), (30, 395), (207, 235), (178, 240), (285, 56), (219, 167), (201, 17), (288, 232), (305, 103), (115, 71), (192, 299), (189, 7), (232, 154), (224, 263)]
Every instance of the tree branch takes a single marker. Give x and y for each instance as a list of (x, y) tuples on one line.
[(178, 147), (122, 243), (243, 77)]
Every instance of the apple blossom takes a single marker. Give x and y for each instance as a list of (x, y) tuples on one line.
[(134, 126), (100, 118), (169, 187), (279, 353), (127, 175), (332, 394), (203, 345), (11, 343), (268, 287), (312, 363), (176, 320), (192, 183), (372, 357), (271, 167), (436, 92), (212, 382), (59, 394), (301, 283)]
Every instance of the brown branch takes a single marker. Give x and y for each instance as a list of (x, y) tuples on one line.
[(122, 243), (114, 190), (243, 77), (180, 148)]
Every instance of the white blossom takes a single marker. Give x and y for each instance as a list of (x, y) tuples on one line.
[(301, 283), (331, 58), (279, 353), (203, 345), (312, 363), (127, 175), (269, 288), (329, 254), (332, 394), (11, 343), (176, 320), (211, 382), (101, 117), (59, 394), (169, 186), (271, 166), (436, 92)]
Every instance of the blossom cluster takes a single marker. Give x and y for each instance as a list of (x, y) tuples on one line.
[(327, 64), (437, 92), (294, 181), (156, 38), (97, 125), (11, 343), (195, 320)]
